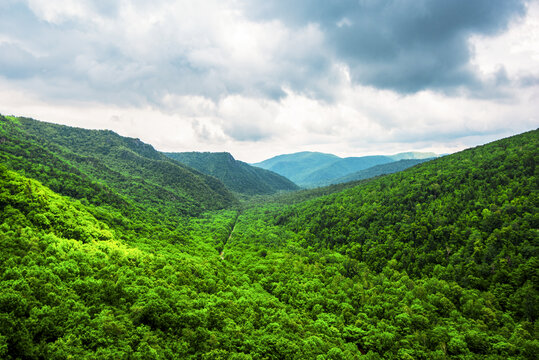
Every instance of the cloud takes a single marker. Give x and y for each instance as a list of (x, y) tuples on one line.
[(140, 52), (364, 121), (403, 45), (248, 119), (133, 51), (259, 78)]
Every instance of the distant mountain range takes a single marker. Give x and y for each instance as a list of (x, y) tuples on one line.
[(236, 175), (311, 169)]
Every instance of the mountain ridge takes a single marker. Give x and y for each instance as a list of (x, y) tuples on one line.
[(132, 169), (377, 170), (236, 175), (310, 169)]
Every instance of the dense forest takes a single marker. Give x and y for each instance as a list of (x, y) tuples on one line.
[(236, 175), (377, 170), (111, 250), (103, 167)]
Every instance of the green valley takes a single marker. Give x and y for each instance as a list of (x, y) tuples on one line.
[(113, 250)]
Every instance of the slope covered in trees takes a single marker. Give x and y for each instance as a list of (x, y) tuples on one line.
[(101, 166), (460, 236), (376, 170), (236, 175), (439, 261)]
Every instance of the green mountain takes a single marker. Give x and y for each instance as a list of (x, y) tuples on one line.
[(459, 234), (439, 261), (310, 169), (377, 170), (101, 166), (236, 175), (341, 168), (295, 166)]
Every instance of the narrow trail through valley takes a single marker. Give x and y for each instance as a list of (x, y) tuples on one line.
[(221, 254)]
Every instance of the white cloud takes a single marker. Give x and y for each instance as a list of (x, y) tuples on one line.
[(59, 11), (516, 50), (202, 76)]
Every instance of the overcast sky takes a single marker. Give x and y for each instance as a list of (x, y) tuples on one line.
[(261, 78)]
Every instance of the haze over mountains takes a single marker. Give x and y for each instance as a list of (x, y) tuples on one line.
[(310, 169)]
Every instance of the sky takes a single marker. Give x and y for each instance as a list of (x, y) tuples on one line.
[(262, 78)]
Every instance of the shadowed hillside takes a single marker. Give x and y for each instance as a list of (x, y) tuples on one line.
[(102, 166), (236, 175)]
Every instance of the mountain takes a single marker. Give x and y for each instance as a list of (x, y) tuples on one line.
[(236, 175), (438, 261), (295, 166), (457, 234), (310, 169), (341, 168), (458, 207), (377, 170), (101, 166)]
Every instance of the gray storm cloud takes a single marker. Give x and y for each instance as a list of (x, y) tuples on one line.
[(403, 45), (136, 51)]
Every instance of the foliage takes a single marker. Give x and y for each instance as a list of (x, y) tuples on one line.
[(236, 175), (378, 170), (438, 261), (103, 167)]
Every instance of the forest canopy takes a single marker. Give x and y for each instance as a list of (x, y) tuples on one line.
[(111, 250)]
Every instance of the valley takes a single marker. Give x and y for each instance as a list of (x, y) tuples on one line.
[(114, 250)]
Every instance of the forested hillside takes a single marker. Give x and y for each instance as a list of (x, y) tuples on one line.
[(454, 242), (376, 170), (439, 261), (236, 175), (103, 167)]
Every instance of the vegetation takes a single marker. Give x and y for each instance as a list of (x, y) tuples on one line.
[(312, 169), (298, 166), (377, 170), (439, 261), (103, 167), (236, 175)]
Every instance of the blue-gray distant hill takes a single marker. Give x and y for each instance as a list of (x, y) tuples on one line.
[(296, 166), (310, 169), (236, 175)]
